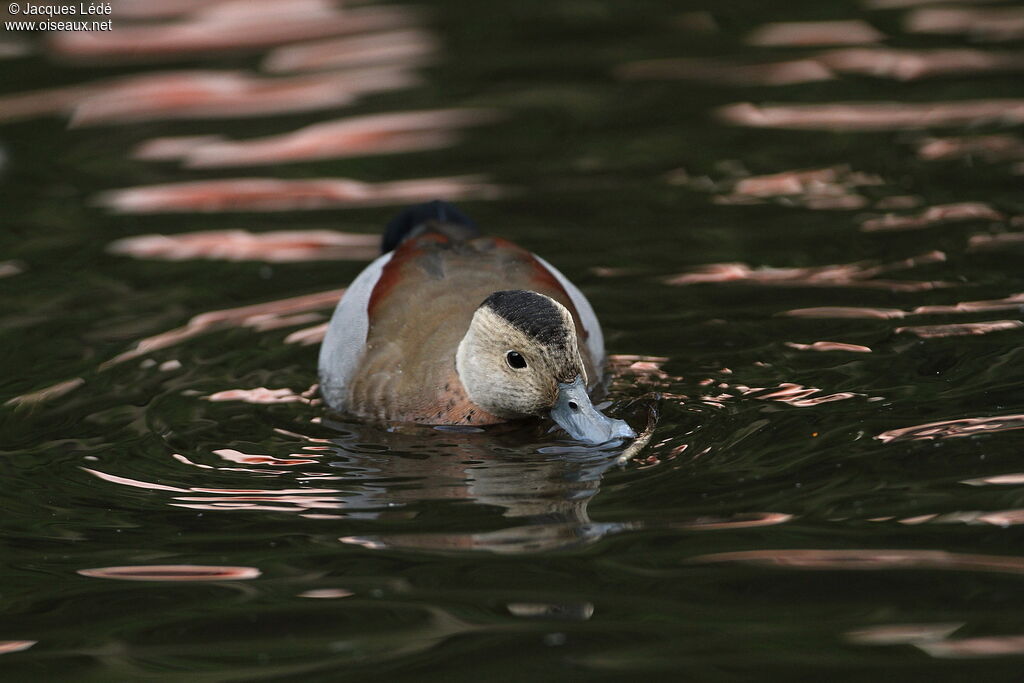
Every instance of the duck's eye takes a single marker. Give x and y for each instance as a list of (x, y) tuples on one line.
[(515, 360)]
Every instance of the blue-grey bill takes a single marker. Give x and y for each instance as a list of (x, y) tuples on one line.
[(575, 414)]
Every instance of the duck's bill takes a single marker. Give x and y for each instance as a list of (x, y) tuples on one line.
[(575, 414)]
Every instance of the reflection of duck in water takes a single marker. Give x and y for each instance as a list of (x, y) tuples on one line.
[(510, 497), (448, 327)]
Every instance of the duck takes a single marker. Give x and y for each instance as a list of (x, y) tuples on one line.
[(451, 327)]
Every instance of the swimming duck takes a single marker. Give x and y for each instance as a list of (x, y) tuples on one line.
[(449, 327)]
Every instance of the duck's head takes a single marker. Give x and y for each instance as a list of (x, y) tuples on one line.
[(520, 357)]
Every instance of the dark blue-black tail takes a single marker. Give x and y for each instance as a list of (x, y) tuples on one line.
[(406, 223)]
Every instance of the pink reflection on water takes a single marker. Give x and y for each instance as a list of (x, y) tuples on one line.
[(269, 503), (259, 396), (308, 335), (968, 426), (859, 275), (822, 188), (371, 544), (163, 9), (1001, 479), (874, 116), (838, 200), (252, 316), (199, 94), (356, 136), (909, 65), (274, 500), (326, 593), (276, 322), (997, 241), (225, 27), (223, 94), (259, 317), (278, 246), (11, 268), (981, 23), (303, 437), (745, 521), (846, 312), (182, 459), (965, 648), (811, 33), (934, 215), (878, 62), (646, 368), (897, 634), (1004, 147), (919, 519), (272, 194), (935, 640), (902, 201), (232, 455), (869, 559), (125, 481), (796, 395), (264, 492), (960, 329), (168, 148), (50, 100), (1014, 302), (7, 646), (803, 182), (172, 572), (578, 611), (643, 367), (410, 47), (50, 393), (295, 304), (605, 271), (726, 72), (183, 94), (1003, 518), (829, 346)]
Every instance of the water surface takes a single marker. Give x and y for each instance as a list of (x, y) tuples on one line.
[(834, 485)]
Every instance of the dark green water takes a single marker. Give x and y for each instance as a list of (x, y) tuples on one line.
[(511, 555)]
